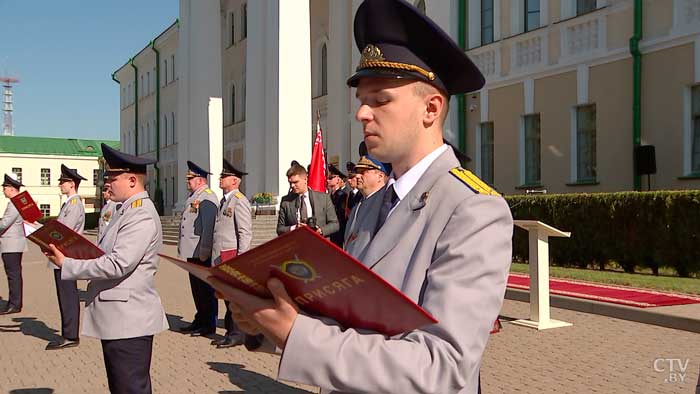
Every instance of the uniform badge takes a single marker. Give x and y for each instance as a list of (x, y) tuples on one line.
[(229, 212), (300, 270), (194, 206), (107, 216)]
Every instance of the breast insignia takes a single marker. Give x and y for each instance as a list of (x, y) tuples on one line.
[(473, 182)]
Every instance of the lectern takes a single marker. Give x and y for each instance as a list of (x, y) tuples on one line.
[(538, 235)]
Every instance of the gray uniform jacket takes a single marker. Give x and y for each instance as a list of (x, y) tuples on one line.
[(449, 250), (197, 225), (321, 207), (355, 235), (122, 301), (234, 226), (13, 239), (72, 214), (106, 214)]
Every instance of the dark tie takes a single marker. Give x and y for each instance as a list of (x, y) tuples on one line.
[(302, 209), (221, 204), (388, 202)]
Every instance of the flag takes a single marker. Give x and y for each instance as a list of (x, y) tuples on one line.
[(317, 169)]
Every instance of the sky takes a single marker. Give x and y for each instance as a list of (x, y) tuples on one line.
[(64, 53)]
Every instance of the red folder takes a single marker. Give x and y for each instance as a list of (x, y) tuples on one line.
[(322, 279), (27, 207), (70, 243)]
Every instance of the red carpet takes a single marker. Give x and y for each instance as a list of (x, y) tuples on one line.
[(606, 293)]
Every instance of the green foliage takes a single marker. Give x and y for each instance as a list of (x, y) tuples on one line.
[(634, 229)]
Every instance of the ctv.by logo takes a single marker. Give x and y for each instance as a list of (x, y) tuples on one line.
[(675, 367)]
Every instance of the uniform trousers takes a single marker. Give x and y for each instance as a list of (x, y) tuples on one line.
[(13, 270), (128, 364), (205, 301), (68, 304)]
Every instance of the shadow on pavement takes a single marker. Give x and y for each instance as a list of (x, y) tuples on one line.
[(251, 382), (42, 390), (33, 327)]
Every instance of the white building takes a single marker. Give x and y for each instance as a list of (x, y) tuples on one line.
[(275, 64), (36, 161)]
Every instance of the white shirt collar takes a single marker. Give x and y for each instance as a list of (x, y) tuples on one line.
[(403, 185), (227, 196)]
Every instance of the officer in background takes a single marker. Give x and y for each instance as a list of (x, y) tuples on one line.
[(336, 188), (122, 307), (233, 233), (353, 194), (72, 214), (196, 244), (107, 211), (372, 179), (12, 245)]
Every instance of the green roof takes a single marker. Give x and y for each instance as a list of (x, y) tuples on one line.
[(53, 146)]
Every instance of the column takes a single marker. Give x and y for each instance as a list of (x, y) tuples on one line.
[(198, 69)]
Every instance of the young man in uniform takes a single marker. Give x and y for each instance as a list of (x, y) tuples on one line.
[(440, 235), (122, 307), (72, 214), (232, 235)]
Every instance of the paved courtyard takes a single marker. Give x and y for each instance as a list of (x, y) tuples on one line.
[(596, 355)]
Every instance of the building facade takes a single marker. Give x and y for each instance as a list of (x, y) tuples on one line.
[(36, 162), (567, 98)]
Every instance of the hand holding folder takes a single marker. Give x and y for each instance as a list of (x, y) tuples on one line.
[(322, 279), (70, 243)]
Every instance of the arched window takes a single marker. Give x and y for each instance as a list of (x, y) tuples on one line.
[(244, 21), (420, 4), (324, 70), (233, 103)]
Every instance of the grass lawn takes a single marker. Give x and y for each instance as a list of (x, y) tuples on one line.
[(661, 283)]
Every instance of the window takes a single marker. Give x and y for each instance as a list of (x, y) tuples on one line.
[(585, 6), (324, 70), (421, 6), (486, 22), (532, 149), (165, 129), (165, 195), (165, 67), (244, 21), (123, 101), (244, 101), (95, 176), (172, 127), (695, 128), (18, 173), (486, 131), (532, 14), (233, 103), (172, 68), (148, 83), (141, 87), (232, 29), (45, 177), (585, 143), (45, 209)]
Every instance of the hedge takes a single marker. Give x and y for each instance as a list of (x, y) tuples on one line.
[(634, 229)]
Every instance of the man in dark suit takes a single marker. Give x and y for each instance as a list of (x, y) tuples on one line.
[(338, 192), (303, 206), (353, 195)]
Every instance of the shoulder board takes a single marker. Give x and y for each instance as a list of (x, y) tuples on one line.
[(239, 195), (473, 182), (73, 201), (136, 203), (208, 191)]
